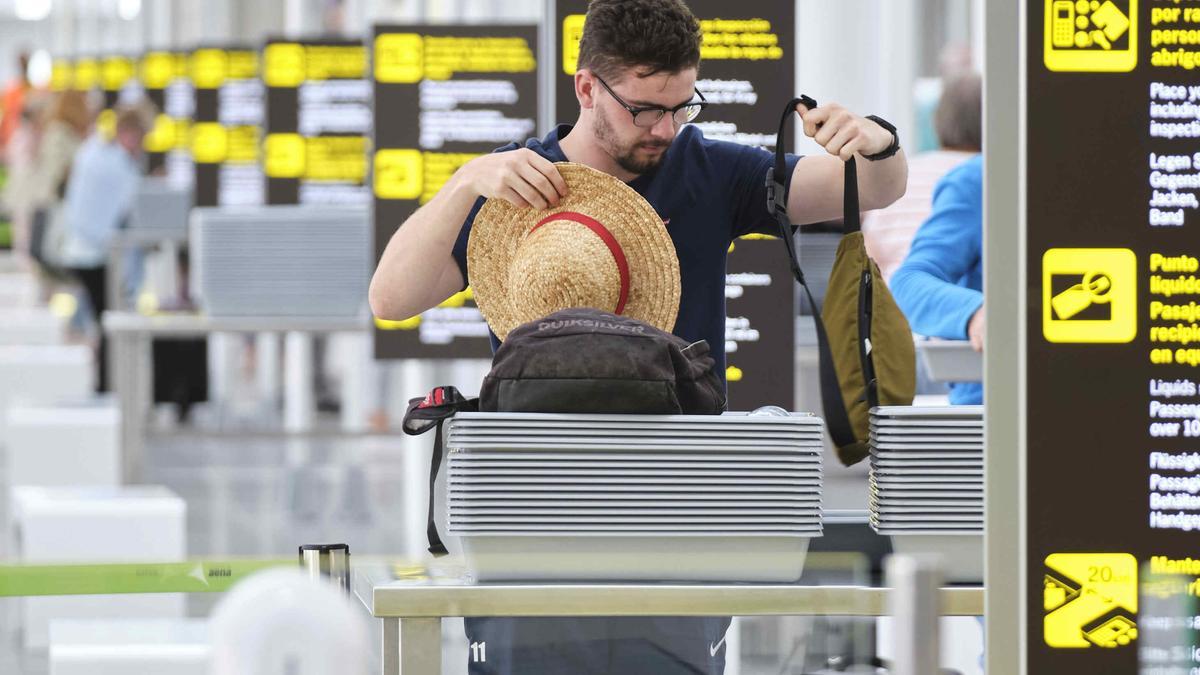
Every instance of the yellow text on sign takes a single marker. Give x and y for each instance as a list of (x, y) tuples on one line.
[(336, 159), (1090, 600), (241, 64), (332, 62), (1089, 295), (242, 144), (1097, 36)]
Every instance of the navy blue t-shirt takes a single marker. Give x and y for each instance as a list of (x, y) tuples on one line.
[(708, 193)]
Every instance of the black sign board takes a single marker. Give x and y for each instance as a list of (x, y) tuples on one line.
[(226, 132), (156, 70), (747, 71), (119, 84), (1113, 340), (443, 95), (318, 117), (172, 131)]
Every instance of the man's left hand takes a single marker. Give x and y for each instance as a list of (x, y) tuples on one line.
[(841, 132)]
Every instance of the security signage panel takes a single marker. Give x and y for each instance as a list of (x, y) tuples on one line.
[(747, 73), (172, 132), (156, 70), (119, 84), (226, 134), (443, 96), (1113, 340), (318, 120)]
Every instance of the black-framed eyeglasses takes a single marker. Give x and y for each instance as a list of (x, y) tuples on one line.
[(648, 117)]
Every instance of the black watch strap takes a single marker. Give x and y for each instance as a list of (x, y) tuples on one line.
[(889, 150)]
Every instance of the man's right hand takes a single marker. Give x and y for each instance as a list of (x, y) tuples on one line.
[(521, 177)]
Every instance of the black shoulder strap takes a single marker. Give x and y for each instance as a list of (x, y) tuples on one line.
[(424, 414), (836, 417)]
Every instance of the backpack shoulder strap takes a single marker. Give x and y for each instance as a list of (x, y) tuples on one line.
[(427, 413), (834, 406)]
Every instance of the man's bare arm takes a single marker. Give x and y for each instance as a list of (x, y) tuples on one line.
[(815, 194), (417, 270)]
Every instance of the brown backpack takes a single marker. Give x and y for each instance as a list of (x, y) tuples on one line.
[(578, 361)]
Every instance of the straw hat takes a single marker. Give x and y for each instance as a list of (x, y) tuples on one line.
[(602, 247)]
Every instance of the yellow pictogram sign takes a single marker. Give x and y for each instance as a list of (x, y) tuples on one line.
[(1089, 295), (157, 69), (209, 68), (1090, 600), (210, 143), (87, 74), (399, 58), (572, 31), (284, 64), (61, 75), (1091, 35), (285, 155), (106, 124), (399, 174)]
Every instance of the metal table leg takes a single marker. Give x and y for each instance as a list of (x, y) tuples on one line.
[(420, 646), (136, 400), (391, 647), (123, 360)]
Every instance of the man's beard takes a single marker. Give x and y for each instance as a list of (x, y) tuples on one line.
[(626, 158)]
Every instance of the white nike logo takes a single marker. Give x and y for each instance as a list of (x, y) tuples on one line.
[(713, 649)]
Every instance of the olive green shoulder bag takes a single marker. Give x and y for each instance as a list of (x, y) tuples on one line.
[(867, 357)]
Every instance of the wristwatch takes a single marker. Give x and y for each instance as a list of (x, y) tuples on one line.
[(889, 150)]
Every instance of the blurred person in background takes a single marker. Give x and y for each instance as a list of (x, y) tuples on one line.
[(20, 159), (100, 192), (958, 122), (12, 102), (66, 126), (953, 60), (939, 286)]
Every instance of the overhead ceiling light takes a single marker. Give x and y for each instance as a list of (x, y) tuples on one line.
[(32, 10), (129, 9), (40, 67)]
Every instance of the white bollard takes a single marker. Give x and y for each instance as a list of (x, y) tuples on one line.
[(30, 326), (129, 647), (43, 373), (913, 606), (64, 444), (89, 525), (299, 399)]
